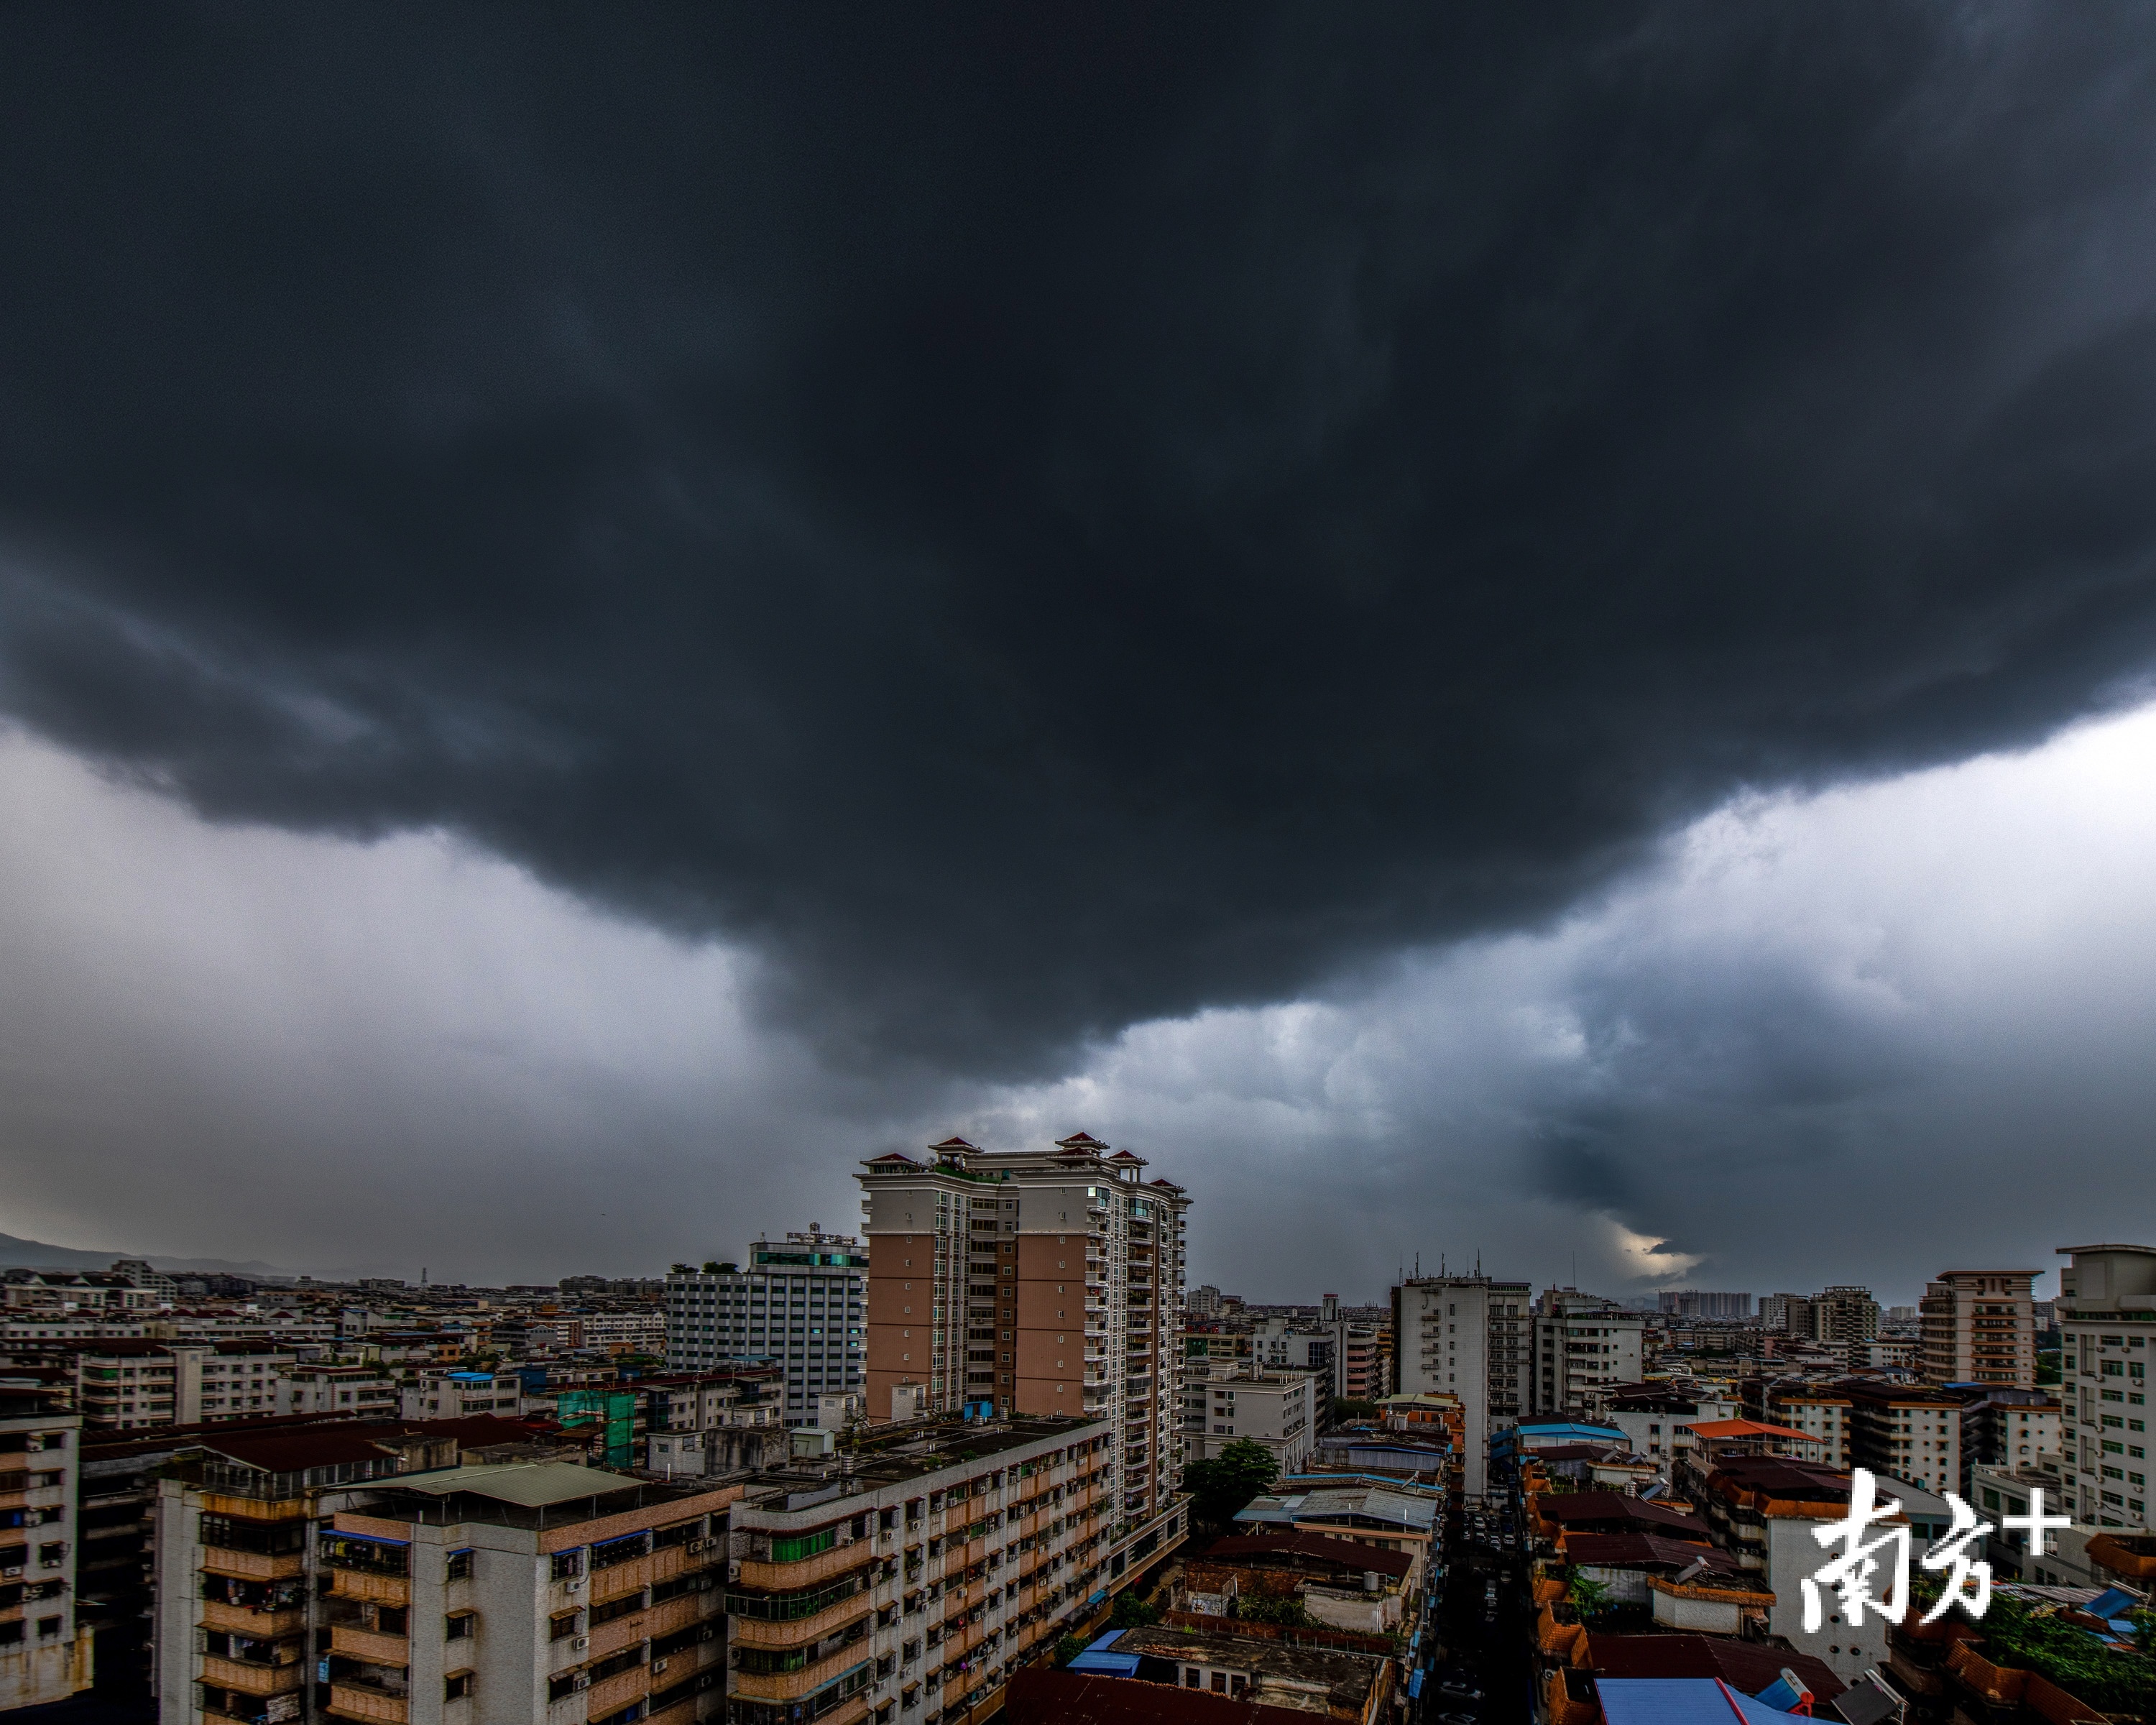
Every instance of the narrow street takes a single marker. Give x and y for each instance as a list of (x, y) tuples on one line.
[(1472, 1644)]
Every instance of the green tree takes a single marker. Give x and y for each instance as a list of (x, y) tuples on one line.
[(1591, 1598), (1069, 1648), (1282, 1609), (1131, 1612), (1223, 1485)]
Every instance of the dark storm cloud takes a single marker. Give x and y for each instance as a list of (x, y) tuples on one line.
[(1039, 520)]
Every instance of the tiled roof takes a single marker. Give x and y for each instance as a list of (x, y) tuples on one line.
[(1348, 1554), (1748, 1666), (1038, 1696), (1646, 1550), (1565, 1508)]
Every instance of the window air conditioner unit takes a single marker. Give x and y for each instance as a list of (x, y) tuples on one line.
[(576, 1585), (12, 1571), (582, 1680), (657, 1667), (579, 1643)]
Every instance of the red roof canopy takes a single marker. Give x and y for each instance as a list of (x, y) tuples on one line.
[(1711, 1429)]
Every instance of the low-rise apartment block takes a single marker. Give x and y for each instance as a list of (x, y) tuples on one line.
[(124, 1385), (1764, 1510), (1819, 1410), (369, 1573), (910, 1587), (365, 1392), (1227, 1405), (460, 1395), (44, 1655)]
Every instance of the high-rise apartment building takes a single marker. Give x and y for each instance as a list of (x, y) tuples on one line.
[(1844, 1315), (799, 1302), (45, 1654), (1471, 1336), (2106, 1309), (1979, 1326), (1032, 1283), (1582, 1344), (1785, 1314), (1696, 1302)]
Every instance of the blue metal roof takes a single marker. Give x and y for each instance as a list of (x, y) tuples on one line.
[(1681, 1701), (1101, 1661)]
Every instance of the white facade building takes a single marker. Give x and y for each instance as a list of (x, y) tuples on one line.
[(1582, 1346), (1224, 1405), (1469, 1336), (800, 1304), (2106, 1310)]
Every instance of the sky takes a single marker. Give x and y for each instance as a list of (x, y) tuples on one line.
[(1479, 633)]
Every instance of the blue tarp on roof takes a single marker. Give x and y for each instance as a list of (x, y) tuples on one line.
[(1682, 1700), (1100, 1661), (2111, 1602)]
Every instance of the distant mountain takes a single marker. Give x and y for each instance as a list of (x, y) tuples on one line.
[(35, 1255)]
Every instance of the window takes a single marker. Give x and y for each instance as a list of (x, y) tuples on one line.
[(460, 1567), (457, 1626), (568, 1565), (561, 1627), (456, 1685)]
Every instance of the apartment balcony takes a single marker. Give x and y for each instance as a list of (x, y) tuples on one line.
[(616, 1579), (765, 1576), (252, 1565), (245, 1620), (362, 1697), (256, 1676), (366, 1584), (830, 1619), (791, 1685), (371, 1646), (610, 1694)]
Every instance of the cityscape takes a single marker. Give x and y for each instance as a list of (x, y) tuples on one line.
[(1081, 863), (990, 1454)]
